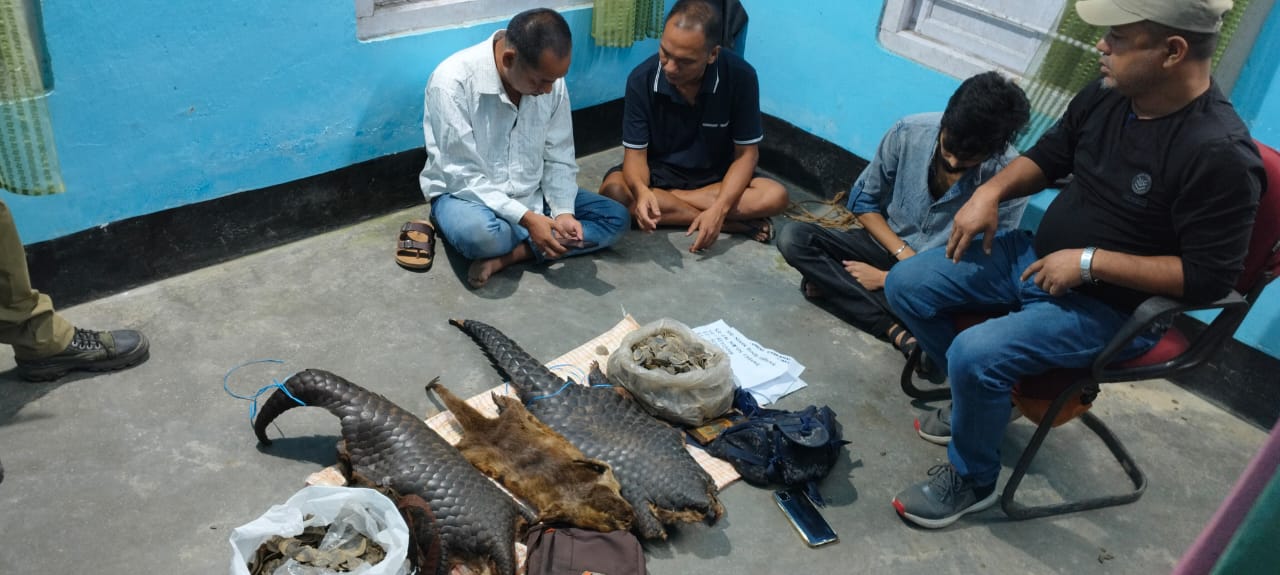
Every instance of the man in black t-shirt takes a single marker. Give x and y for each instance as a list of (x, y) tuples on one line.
[(1166, 184), (691, 132)]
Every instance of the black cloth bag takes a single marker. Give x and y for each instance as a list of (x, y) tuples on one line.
[(778, 447)]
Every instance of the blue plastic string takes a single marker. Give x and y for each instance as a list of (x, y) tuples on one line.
[(253, 409), (574, 368), (551, 395), (568, 381)]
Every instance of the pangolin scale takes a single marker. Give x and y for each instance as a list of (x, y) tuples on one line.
[(474, 521), (659, 478)]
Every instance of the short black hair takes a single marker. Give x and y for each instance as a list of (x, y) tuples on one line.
[(1200, 45), (984, 115), (699, 14), (535, 31)]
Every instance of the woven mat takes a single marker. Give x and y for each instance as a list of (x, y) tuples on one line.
[(574, 364)]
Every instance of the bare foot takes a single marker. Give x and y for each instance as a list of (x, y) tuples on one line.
[(480, 271), (760, 230)]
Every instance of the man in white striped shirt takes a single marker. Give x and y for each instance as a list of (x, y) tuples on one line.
[(501, 173)]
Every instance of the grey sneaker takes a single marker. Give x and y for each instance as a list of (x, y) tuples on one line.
[(943, 499), (935, 426), (89, 351)]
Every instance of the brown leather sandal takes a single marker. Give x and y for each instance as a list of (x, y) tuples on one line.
[(416, 248)]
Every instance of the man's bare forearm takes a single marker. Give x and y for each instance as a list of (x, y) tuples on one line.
[(1022, 177), (878, 227), (1160, 275), (635, 170), (738, 177)]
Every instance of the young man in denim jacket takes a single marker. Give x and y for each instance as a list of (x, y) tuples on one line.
[(927, 166)]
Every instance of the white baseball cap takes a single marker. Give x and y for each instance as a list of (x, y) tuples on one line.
[(1190, 15)]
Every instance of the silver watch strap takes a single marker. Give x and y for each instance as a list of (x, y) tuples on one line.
[(1086, 265)]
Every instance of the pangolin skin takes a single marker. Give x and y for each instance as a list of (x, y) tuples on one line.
[(475, 523), (659, 478), (538, 465)]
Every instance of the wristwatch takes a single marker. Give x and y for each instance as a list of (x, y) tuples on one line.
[(1086, 265)]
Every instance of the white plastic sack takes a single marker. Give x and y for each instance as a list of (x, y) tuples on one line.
[(691, 398), (370, 512)]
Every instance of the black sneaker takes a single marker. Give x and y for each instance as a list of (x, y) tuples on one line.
[(89, 351), (943, 499), (929, 371)]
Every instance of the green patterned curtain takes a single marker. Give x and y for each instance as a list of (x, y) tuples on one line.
[(1253, 547), (620, 23), (28, 159), (1071, 62)]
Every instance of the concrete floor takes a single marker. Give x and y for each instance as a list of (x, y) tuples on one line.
[(148, 470)]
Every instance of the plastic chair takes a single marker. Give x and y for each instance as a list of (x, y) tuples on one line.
[(1174, 353)]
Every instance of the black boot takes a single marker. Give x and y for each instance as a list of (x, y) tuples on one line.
[(89, 351)]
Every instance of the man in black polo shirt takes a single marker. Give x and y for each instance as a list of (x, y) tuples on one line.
[(1167, 181), (691, 129)]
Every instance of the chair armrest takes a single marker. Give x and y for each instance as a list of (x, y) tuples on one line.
[(1158, 310)]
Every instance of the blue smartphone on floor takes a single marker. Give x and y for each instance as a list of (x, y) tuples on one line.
[(802, 514)]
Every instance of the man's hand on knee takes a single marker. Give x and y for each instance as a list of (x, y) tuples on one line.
[(540, 228), (567, 227), (646, 210), (979, 215), (1057, 272)]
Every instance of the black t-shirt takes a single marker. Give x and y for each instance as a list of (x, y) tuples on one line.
[(698, 137), (1185, 184)]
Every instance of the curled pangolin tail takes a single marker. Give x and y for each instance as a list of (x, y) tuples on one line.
[(526, 374), (312, 387)]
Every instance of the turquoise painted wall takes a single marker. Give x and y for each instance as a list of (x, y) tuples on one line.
[(162, 104), (822, 69), (1257, 92), (1257, 97), (157, 105)]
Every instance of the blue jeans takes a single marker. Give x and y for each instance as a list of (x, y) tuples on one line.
[(478, 233), (1039, 333)]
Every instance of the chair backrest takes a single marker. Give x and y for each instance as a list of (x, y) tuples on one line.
[(1263, 260)]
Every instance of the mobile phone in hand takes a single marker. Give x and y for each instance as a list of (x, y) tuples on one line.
[(576, 244), (813, 528)]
